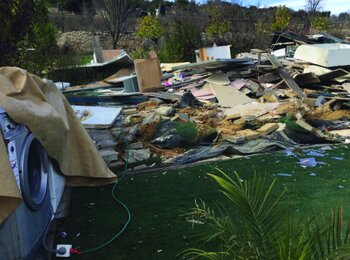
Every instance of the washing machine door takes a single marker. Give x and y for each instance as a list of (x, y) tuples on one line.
[(34, 173)]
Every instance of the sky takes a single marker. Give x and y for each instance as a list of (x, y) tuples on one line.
[(335, 6)]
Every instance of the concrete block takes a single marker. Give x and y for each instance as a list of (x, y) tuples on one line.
[(267, 128), (248, 134), (137, 155)]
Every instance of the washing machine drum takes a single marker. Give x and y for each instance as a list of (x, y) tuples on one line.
[(34, 173)]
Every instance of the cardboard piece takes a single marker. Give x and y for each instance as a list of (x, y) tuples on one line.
[(148, 73), (228, 96)]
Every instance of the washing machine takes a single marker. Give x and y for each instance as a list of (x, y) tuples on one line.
[(21, 234)]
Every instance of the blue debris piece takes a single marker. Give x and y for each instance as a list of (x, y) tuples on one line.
[(289, 152), (313, 153), (321, 163), (337, 158), (308, 162), (320, 100), (312, 174), (284, 174)]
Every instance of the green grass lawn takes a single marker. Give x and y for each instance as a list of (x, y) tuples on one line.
[(157, 201)]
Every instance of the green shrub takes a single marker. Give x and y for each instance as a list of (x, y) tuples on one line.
[(282, 18), (260, 226), (188, 131), (150, 28)]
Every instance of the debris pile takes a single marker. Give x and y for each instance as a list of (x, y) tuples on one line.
[(298, 93)]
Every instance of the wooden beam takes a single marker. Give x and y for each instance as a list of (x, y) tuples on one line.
[(285, 75)]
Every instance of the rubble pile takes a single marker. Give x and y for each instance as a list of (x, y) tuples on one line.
[(258, 102)]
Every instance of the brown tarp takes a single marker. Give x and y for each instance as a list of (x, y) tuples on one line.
[(38, 104)]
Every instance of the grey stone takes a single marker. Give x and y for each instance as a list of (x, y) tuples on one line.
[(152, 117), (140, 167), (137, 145), (181, 117), (165, 111), (235, 139), (109, 155), (138, 155), (156, 100)]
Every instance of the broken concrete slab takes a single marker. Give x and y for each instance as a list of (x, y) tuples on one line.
[(304, 124), (151, 118), (165, 111), (248, 134), (235, 139), (233, 117), (137, 155), (103, 139), (180, 117), (267, 129), (134, 146), (109, 155)]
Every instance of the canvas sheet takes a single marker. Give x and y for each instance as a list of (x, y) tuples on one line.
[(38, 104)]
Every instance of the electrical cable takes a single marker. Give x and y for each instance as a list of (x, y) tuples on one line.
[(120, 203)]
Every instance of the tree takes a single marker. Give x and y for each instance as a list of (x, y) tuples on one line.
[(314, 5), (114, 17), (17, 19), (150, 28), (282, 18), (25, 31)]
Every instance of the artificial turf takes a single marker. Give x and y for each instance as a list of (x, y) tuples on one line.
[(157, 201)]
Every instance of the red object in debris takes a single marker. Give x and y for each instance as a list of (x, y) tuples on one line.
[(75, 251)]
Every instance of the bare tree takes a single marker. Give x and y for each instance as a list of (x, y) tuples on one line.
[(113, 16), (314, 5)]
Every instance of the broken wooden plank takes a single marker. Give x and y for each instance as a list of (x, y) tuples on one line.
[(285, 75), (269, 77), (333, 75), (305, 79)]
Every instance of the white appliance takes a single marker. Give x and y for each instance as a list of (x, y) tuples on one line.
[(57, 183), (22, 233)]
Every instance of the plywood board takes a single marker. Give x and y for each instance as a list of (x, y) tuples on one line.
[(228, 96), (254, 108), (148, 74), (97, 117)]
